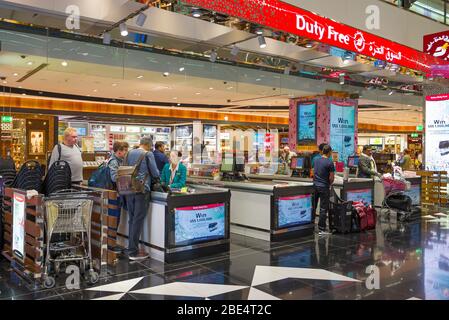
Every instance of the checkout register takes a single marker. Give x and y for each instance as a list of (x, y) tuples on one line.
[(233, 171), (301, 166)]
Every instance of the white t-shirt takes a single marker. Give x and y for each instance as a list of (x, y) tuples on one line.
[(73, 157)]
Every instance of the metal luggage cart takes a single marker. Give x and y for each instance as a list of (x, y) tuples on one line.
[(68, 213), (393, 188)]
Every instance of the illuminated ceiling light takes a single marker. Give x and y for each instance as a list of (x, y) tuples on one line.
[(140, 77), (64, 63), (95, 90), (258, 79), (114, 84), (30, 63), (123, 29), (175, 98), (166, 74), (5, 82), (226, 118), (211, 88), (141, 18), (262, 42), (235, 50), (179, 104), (213, 56), (107, 38), (229, 88), (181, 69), (198, 93)]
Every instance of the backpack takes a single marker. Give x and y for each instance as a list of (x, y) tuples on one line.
[(29, 177), (59, 157), (101, 178), (127, 181), (59, 177)]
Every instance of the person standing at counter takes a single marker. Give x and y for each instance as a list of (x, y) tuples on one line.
[(367, 165), (406, 161), (324, 174), (137, 204), (159, 155), (174, 174), (318, 155), (69, 151)]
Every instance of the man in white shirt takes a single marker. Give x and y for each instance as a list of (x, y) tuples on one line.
[(70, 152)]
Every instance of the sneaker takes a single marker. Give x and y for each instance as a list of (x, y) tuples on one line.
[(324, 233), (138, 256)]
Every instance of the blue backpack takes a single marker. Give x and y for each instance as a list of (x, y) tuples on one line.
[(101, 178)]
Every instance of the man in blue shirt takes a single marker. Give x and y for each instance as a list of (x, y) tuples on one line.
[(324, 173), (137, 204), (318, 155), (159, 155)]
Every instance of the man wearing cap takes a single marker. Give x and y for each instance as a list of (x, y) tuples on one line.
[(367, 165), (137, 204)]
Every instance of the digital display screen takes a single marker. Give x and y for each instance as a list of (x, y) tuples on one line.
[(353, 162), (295, 210), (198, 224), (415, 194), (342, 129), (306, 114), (18, 226), (81, 131), (365, 196), (297, 163)]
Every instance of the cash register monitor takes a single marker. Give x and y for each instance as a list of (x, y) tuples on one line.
[(353, 161), (297, 163), (227, 167)]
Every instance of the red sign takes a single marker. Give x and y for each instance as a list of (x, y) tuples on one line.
[(437, 45), (438, 97), (285, 17)]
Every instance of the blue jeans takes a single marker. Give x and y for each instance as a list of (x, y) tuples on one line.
[(137, 205)]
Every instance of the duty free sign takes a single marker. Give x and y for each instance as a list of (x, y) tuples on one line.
[(285, 17)]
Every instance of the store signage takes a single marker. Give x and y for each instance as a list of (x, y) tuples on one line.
[(288, 18), (376, 141), (342, 129), (363, 195), (306, 114), (437, 133), (420, 128), (437, 45), (295, 210), (415, 135), (18, 228), (6, 119), (201, 223)]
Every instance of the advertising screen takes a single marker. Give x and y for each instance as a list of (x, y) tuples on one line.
[(296, 210), (437, 133), (342, 129), (18, 227), (306, 114), (365, 196), (197, 224), (415, 194)]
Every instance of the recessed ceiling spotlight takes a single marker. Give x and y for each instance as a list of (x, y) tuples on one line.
[(123, 29), (258, 79), (95, 90), (229, 88), (5, 82), (64, 63), (175, 98), (141, 18), (15, 74), (179, 104), (114, 84), (210, 88), (226, 118), (198, 93), (30, 63), (262, 42), (166, 74)]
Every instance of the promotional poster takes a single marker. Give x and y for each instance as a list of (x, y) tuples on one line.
[(295, 210), (342, 129), (195, 224), (365, 196), (437, 133), (18, 228), (306, 122)]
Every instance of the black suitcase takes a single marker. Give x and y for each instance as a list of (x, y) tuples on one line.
[(340, 215)]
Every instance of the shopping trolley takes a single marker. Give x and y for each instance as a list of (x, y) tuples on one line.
[(395, 198), (68, 234)]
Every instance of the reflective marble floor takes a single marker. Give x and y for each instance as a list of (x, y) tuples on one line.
[(409, 261)]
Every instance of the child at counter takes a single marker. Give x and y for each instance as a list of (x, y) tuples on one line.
[(174, 174)]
